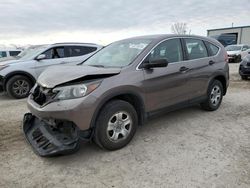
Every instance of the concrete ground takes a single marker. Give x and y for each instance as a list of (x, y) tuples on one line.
[(186, 148)]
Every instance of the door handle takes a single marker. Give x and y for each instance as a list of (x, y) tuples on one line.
[(63, 62), (211, 62), (184, 69)]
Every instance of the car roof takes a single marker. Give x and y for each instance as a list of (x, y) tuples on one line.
[(75, 43), (247, 58), (160, 37)]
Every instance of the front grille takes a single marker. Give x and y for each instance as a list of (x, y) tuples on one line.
[(248, 64), (42, 95)]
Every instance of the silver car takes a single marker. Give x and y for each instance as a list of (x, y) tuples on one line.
[(18, 75)]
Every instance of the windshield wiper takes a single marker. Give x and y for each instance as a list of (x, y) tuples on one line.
[(102, 66)]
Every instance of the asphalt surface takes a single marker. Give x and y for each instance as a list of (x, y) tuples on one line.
[(185, 148)]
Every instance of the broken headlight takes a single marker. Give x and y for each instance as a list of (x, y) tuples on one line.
[(75, 91)]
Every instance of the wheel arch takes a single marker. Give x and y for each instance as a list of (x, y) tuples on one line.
[(131, 97), (16, 73), (223, 81)]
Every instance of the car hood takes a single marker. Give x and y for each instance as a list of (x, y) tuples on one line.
[(233, 52), (8, 61), (57, 75)]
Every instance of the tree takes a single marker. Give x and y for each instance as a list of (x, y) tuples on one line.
[(179, 28)]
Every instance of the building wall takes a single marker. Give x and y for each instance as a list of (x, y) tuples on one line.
[(246, 36), (243, 34)]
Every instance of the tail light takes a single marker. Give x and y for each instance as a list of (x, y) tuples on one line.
[(226, 57)]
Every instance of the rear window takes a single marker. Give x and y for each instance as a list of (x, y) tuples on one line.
[(72, 51), (14, 53), (213, 50)]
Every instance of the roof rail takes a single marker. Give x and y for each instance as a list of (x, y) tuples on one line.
[(74, 43)]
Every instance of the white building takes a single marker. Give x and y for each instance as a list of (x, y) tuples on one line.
[(231, 35)]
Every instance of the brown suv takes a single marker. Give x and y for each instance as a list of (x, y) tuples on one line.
[(106, 97)]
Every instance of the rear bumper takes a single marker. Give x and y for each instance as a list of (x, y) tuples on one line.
[(47, 140)]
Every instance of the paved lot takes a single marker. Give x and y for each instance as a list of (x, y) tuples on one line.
[(186, 148)]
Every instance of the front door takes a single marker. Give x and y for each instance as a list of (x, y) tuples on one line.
[(53, 56), (166, 86)]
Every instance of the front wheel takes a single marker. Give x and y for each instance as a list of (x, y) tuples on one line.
[(116, 125), (214, 96), (18, 86)]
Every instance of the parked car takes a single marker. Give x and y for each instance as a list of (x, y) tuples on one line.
[(9, 52), (244, 69), (17, 76), (121, 86), (237, 52)]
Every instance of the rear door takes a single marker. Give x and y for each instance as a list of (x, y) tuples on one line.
[(166, 86), (77, 54), (199, 64), (53, 56)]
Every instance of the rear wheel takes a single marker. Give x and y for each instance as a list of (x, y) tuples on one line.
[(214, 96), (18, 86), (116, 125)]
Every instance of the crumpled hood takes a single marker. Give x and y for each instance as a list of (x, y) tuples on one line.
[(57, 75), (233, 52)]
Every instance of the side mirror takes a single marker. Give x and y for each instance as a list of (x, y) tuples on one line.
[(155, 64), (40, 57)]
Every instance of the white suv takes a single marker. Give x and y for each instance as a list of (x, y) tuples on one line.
[(237, 52), (5, 52), (17, 76)]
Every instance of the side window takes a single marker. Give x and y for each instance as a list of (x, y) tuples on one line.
[(54, 53), (170, 50), (14, 53), (213, 50), (3, 54), (195, 48), (72, 51)]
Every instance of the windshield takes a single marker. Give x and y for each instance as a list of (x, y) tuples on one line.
[(233, 48), (29, 53), (118, 54)]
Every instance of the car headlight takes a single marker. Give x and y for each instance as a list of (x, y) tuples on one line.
[(75, 91), (3, 67)]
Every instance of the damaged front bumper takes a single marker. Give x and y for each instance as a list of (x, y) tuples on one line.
[(50, 140)]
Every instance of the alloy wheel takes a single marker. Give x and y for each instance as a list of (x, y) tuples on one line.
[(119, 126), (215, 95)]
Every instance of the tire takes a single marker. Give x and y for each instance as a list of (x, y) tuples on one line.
[(18, 86), (238, 59), (214, 96), (114, 118), (244, 77)]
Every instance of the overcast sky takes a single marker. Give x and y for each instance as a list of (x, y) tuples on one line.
[(103, 21)]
